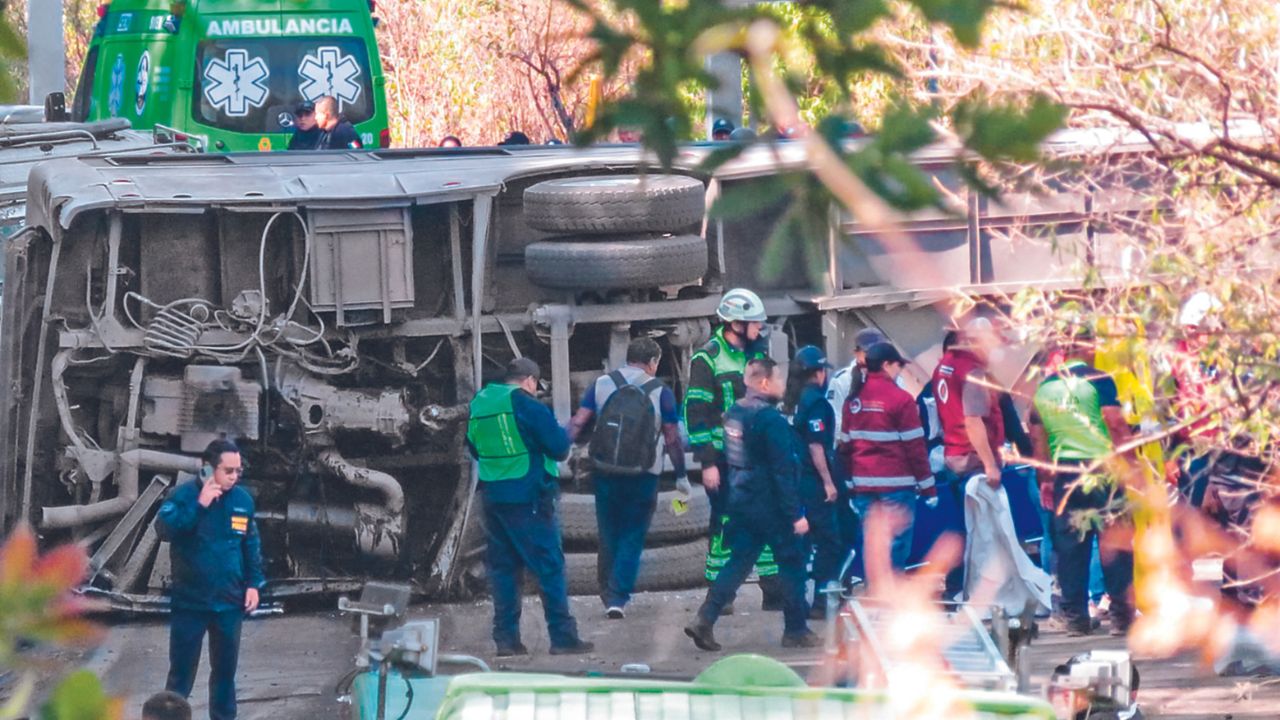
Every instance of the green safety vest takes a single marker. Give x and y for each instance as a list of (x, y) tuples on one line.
[(502, 452), (1071, 412), (727, 366)]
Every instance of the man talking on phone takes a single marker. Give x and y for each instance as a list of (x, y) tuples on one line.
[(217, 574)]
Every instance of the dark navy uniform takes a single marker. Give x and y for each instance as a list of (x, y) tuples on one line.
[(305, 139), (216, 557), (814, 423), (764, 503), (342, 137)]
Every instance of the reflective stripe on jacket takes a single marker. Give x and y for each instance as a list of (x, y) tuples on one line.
[(715, 384), (882, 440)]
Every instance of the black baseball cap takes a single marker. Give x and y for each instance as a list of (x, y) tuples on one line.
[(521, 368), (721, 126), (884, 352), (306, 106)]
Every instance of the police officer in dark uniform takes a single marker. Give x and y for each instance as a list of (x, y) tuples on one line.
[(306, 133), (764, 508), (517, 442), (217, 574), (814, 423)]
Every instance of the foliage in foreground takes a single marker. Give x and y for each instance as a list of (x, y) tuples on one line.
[(39, 609)]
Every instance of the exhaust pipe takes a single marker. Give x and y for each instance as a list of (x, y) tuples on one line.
[(378, 527), (129, 465)]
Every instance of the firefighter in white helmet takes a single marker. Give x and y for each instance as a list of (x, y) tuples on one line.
[(715, 384)]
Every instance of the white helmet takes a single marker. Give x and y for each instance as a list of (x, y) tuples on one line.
[(742, 305), (1197, 308)]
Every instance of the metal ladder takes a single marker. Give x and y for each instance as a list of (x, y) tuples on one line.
[(967, 648)]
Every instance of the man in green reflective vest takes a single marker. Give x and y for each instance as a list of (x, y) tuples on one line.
[(517, 441), (715, 384), (1077, 422)]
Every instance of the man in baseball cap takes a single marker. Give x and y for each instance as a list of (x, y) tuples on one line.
[(306, 134), (884, 445), (517, 442), (721, 129), (814, 423), (847, 381)]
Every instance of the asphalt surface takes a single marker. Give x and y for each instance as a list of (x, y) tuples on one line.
[(290, 665)]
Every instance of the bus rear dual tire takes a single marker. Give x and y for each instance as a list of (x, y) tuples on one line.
[(622, 263)]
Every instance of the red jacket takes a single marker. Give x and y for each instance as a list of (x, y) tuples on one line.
[(949, 381), (882, 440)]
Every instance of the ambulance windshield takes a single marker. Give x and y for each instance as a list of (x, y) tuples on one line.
[(252, 85)]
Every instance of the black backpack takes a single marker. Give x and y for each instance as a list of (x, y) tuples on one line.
[(625, 441)]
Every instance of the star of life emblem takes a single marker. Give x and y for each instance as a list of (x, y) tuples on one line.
[(236, 83), (329, 72)]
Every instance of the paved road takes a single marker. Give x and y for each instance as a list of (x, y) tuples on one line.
[(290, 664)]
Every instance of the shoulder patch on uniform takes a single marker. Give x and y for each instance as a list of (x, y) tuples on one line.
[(816, 425)]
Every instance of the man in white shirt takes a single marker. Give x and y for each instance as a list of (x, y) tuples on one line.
[(848, 380)]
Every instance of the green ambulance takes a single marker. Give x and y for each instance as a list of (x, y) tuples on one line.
[(228, 74)]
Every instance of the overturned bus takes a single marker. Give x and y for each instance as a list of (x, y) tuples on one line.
[(335, 312)]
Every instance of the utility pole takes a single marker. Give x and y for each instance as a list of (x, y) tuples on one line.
[(726, 100), (46, 51)]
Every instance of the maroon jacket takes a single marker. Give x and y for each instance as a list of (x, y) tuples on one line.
[(949, 382), (882, 440)]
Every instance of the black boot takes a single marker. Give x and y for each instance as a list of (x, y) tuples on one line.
[(701, 630), (771, 592), (702, 636), (806, 639)]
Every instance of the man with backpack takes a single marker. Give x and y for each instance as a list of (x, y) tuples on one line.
[(636, 420)]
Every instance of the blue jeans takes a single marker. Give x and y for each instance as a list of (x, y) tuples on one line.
[(746, 540), (624, 509), (187, 629), (527, 535), (904, 500)]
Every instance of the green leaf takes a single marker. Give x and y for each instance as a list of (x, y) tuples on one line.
[(12, 50), (78, 697), (963, 17), (779, 248), (721, 155), (1006, 131), (906, 129), (913, 190), (744, 199), (855, 16)]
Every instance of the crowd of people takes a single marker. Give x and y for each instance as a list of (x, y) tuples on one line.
[(319, 125), (722, 130), (793, 465)]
